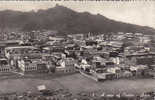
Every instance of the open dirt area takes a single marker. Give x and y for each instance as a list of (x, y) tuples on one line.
[(77, 83)]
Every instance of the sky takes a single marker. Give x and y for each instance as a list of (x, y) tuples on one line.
[(135, 12)]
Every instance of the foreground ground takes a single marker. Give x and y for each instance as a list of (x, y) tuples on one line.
[(77, 83)]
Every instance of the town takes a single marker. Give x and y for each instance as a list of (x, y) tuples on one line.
[(99, 57)]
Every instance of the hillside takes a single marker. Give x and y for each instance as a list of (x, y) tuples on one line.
[(65, 21)]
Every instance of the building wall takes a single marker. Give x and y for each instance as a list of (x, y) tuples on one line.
[(4, 69), (21, 65), (30, 67)]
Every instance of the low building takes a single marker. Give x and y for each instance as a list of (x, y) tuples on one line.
[(32, 65), (4, 66), (125, 74), (11, 42), (91, 42), (114, 70), (53, 48), (18, 50), (138, 70), (66, 65), (98, 62)]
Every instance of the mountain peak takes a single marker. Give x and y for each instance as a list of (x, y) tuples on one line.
[(66, 20), (60, 7)]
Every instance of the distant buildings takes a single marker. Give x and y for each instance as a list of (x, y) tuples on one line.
[(44, 51)]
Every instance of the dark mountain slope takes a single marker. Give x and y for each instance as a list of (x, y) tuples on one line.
[(66, 21)]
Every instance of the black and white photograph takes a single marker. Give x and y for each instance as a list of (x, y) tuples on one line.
[(77, 50)]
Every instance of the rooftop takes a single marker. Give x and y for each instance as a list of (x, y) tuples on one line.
[(21, 47)]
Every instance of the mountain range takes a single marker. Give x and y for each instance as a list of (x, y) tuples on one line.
[(65, 21)]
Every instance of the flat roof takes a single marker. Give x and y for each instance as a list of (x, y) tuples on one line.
[(10, 41), (21, 47), (2, 45)]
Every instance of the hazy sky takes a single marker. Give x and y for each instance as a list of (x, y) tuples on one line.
[(136, 12)]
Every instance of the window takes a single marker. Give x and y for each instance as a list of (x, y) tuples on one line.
[(26, 68), (99, 71), (3, 62)]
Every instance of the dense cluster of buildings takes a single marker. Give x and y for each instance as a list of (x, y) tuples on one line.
[(100, 57), (104, 56)]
